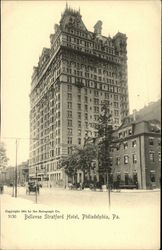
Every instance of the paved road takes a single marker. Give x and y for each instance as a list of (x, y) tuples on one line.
[(62, 197)]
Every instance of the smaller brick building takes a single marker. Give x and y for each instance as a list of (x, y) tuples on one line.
[(136, 158)]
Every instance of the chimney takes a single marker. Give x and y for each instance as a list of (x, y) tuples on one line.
[(134, 114), (98, 28), (56, 26)]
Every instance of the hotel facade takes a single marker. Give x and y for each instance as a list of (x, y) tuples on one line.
[(79, 71)]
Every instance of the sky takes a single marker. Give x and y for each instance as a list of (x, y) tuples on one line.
[(25, 30)]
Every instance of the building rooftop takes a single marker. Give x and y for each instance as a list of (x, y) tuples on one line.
[(72, 18)]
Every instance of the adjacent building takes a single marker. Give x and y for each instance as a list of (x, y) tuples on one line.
[(9, 174), (136, 158), (23, 173), (79, 71)]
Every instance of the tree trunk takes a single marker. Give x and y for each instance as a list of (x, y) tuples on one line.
[(89, 172), (83, 175)]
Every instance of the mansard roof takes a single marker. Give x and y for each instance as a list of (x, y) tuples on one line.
[(151, 126), (72, 19)]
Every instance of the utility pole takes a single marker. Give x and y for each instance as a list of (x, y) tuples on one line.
[(13, 183), (108, 189), (16, 173), (36, 183)]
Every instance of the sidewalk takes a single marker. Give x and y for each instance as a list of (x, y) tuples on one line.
[(7, 201), (136, 190)]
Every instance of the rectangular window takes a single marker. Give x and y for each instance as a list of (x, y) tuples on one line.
[(125, 133), (152, 176), (116, 112), (69, 150), (134, 143), (120, 135), (86, 108), (118, 178), (116, 97), (69, 114), (117, 120), (106, 95), (79, 106), (125, 145), (69, 87), (79, 141), (96, 109), (126, 159), (110, 161), (86, 99), (79, 115), (126, 179), (96, 101), (58, 123), (69, 79), (69, 140), (96, 117), (69, 123), (159, 141), (151, 156), (69, 105), (130, 131), (79, 98), (96, 93), (159, 156), (117, 161), (70, 131), (86, 116), (52, 153), (151, 141), (134, 158), (79, 132), (116, 105), (79, 124), (69, 96), (86, 125)]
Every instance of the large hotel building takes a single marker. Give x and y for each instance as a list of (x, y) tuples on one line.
[(79, 71)]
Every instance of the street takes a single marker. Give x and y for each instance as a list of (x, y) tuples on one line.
[(76, 198), (70, 219)]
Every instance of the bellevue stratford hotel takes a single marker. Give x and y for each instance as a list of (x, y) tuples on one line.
[(79, 71)]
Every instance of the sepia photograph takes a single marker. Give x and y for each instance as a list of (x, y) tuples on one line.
[(80, 142)]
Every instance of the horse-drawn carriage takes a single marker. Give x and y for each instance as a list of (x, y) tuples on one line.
[(32, 187)]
